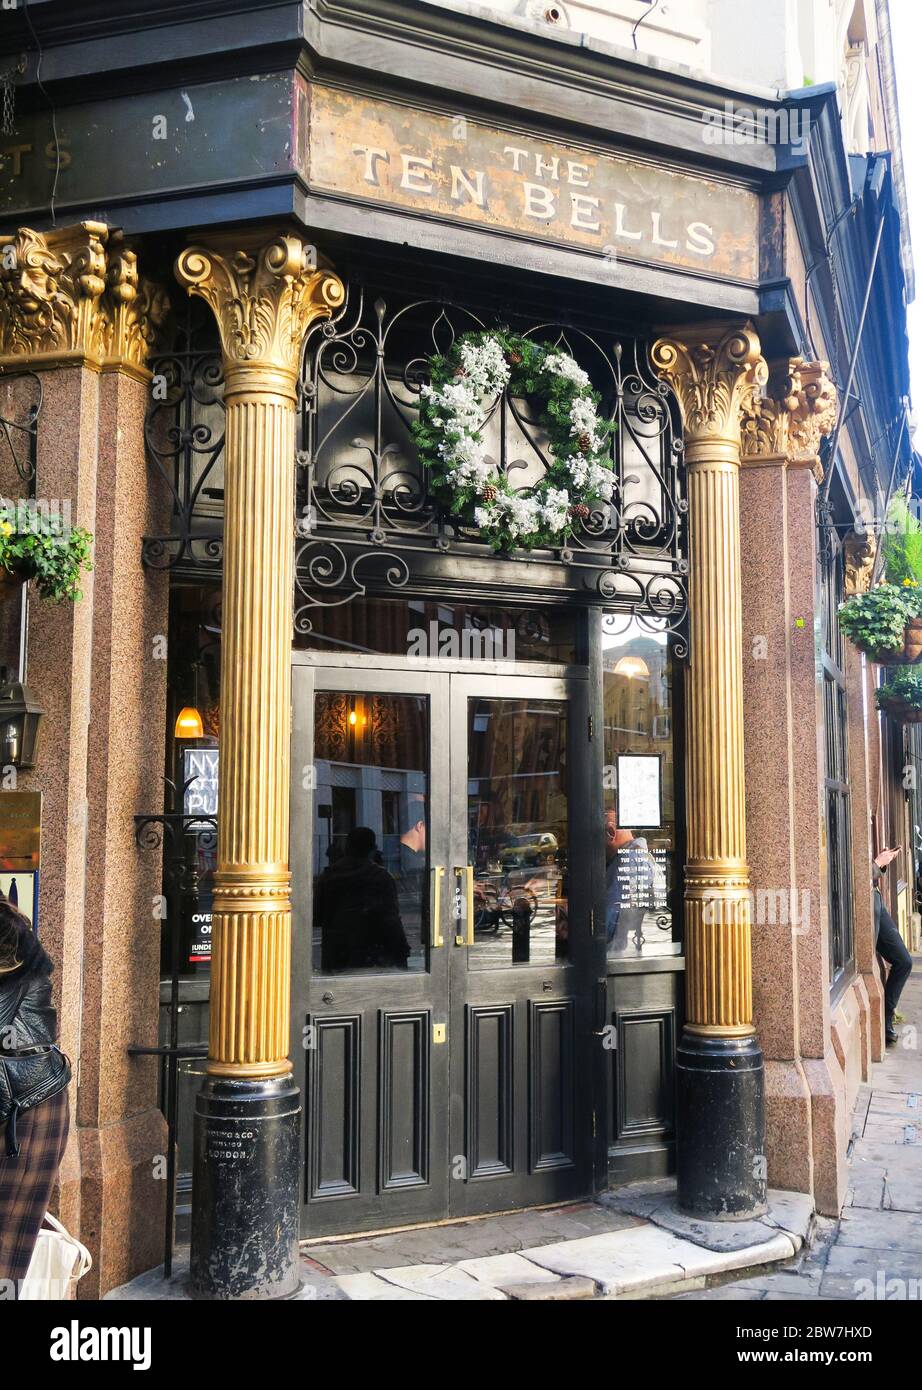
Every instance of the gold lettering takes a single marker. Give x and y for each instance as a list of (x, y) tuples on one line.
[(15, 153)]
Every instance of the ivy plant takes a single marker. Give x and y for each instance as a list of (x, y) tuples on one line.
[(875, 621), (46, 550), (903, 687)]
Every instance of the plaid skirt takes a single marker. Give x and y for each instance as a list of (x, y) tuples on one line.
[(26, 1183)]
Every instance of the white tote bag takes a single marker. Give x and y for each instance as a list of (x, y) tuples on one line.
[(57, 1263)]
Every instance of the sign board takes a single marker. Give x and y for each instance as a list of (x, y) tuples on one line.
[(369, 151), (201, 798), (456, 169), (640, 802)]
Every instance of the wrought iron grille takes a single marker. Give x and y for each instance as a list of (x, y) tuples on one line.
[(367, 523), (184, 437), (20, 406)]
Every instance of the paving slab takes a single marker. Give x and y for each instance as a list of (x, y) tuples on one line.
[(446, 1282), (648, 1257), (554, 1291), (882, 1230), (789, 1212), (368, 1287), (500, 1270)]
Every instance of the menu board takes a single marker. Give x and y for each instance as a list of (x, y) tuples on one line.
[(640, 791)]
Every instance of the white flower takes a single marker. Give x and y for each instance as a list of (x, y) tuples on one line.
[(562, 364)]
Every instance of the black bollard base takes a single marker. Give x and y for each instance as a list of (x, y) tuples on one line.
[(721, 1128), (246, 1189)]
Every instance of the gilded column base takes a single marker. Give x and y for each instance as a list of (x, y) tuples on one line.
[(251, 961), (718, 950)]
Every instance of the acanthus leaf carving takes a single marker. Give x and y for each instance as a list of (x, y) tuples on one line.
[(263, 298), (715, 373), (798, 408)]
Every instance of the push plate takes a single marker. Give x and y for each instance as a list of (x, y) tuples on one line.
[(439, 1032)]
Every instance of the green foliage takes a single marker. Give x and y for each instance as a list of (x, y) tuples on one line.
[(555, 395), (904, 686), (902, 544), (45, 550), (875, 621)]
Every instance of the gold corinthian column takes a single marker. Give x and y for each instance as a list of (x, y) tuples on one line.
[(715, 372), (264, 297)]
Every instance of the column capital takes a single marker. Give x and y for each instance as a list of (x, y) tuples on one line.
[(714, 371), (73, 296), (860, 554), (264, 294), (787, 423)]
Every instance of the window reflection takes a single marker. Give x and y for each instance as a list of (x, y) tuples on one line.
[(517, 827), (642, 872), (371, 817)]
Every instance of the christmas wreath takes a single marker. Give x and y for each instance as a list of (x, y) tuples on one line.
[(448, 435)]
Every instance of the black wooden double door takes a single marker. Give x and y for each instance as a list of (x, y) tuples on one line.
[(441, 961)]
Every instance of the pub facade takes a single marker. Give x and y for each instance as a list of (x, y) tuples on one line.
[(440, 816)]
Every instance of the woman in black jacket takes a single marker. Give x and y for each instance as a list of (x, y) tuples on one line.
[(33, 1095)]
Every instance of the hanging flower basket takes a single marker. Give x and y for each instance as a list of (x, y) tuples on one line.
[(886, 623), (448, 434), (901, 697), (43, 549)]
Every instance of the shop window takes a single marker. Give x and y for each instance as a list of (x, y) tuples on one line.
[(640, 815), (836, 787)]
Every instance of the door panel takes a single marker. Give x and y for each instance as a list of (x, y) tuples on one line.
[(440, 997), (521, 1111), (370, 978)]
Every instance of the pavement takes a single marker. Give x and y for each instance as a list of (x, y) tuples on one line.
[(634, 1243), (629, 1244), (874, 1250)]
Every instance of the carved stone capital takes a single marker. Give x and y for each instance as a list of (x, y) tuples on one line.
[(860, 554), (264, 298), (73, 294), (715, 372), (797, 409)]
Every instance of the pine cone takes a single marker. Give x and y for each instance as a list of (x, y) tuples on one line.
[(585, 443), (514, 359), (579, 509), (489, 493), (460, 371)]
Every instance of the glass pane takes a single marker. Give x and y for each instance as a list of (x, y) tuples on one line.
[(371, 830), (638, 799), (517, 830), (455, 631)]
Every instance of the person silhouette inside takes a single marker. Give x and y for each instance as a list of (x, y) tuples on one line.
[(357, 912)]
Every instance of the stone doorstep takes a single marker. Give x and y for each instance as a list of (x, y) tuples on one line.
[(642, 1262)]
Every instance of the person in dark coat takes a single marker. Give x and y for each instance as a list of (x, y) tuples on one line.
[(32, 1145), (357, 911), (890, 946)]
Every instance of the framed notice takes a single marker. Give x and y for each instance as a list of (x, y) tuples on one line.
[(640, 791)]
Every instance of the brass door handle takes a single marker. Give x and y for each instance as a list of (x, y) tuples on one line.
[(466, 938), (438, 873)]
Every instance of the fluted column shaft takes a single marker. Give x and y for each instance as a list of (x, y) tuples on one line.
[(714, 373), (252, 909), (264, 301), (717, 898)]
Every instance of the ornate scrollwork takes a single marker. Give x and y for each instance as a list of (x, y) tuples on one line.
[(263, 298), (184, 438), (715, 373), (362, 492), (21, 397)]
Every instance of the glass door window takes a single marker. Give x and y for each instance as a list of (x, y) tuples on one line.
[(638, 813), (517, 830), (371, 832)]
